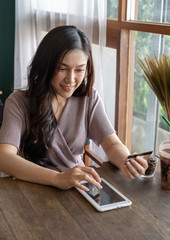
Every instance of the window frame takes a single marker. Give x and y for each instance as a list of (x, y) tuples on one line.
[(121, 36)]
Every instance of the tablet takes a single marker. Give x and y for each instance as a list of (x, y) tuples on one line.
[(104, 199)]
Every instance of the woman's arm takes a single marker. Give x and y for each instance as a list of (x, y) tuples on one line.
[(117, 154), (20, 168)]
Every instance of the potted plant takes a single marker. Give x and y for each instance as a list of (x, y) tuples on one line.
[(157, 75)]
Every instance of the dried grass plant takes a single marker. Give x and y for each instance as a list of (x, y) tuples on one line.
[(157, 75)]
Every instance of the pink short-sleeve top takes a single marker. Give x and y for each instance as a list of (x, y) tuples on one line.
[(83, 118)]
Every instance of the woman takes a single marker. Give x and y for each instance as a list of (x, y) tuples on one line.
[(45, 127)]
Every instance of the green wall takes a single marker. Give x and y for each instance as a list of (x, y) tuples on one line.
[(7, 31)]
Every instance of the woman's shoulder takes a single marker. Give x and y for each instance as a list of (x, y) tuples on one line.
[(18, 95), (95, 97), (95, 93), (19, 98)]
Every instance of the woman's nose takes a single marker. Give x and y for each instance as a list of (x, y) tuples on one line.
[(70, 76)]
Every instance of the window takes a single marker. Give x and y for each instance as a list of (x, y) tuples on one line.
[(141, 27), (148, 125)]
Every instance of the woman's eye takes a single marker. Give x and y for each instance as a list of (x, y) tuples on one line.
[(79, 70), (63, 69)]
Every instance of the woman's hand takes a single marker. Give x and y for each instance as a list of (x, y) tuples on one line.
[(74, 176), (133, 168)]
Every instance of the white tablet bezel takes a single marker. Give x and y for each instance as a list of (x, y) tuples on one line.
[(110, 206)]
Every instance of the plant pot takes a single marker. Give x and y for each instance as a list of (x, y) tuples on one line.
[(164, 152)]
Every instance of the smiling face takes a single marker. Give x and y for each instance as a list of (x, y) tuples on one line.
[(70, 74)]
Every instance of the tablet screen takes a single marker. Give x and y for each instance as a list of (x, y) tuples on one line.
[(103, 196)]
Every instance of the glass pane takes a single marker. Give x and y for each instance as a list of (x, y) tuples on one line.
[(146, 10), (154, 10), (148, 129), (149, 10), (167, 45), (112, 8)]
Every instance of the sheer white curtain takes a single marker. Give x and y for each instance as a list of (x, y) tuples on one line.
[(34, 18)]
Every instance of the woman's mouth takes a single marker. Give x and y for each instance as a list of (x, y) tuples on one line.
[(67, 88)]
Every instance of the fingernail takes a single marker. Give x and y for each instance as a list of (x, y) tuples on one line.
[(100, 187)]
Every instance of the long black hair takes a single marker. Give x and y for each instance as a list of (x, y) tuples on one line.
[(52, 49)]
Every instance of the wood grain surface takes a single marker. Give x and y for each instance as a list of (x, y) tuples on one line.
[(31, 211)]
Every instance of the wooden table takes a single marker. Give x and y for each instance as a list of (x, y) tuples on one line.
[(31, 211)]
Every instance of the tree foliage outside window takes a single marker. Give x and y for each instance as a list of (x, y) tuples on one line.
[(149, 10), (141, 88), (143, 43), (145, 10), (112, 8)]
